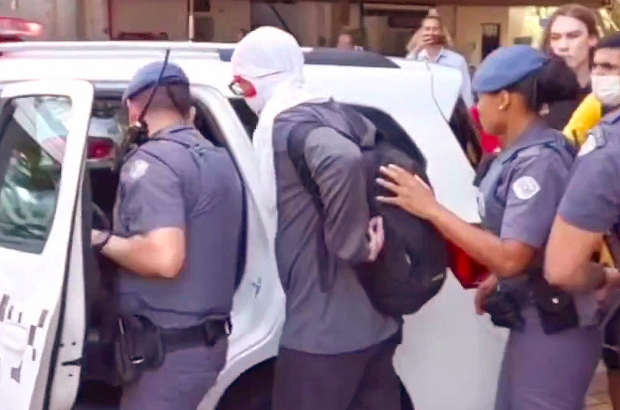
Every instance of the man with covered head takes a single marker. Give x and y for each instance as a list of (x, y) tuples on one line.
[(336, 349)]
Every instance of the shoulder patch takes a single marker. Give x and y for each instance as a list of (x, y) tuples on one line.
[(525, 188), (596, 139), (138, 169), (588, 146)]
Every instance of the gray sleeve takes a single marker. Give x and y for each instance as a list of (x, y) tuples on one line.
[(592, 198), (336, 167), (152, 200), (534, 192)]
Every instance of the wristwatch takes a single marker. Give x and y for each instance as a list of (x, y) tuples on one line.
[(98, 247)]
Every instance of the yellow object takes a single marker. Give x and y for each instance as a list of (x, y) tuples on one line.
[(585, 117)]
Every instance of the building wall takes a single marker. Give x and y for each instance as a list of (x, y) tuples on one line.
[(307, 20), (59, 17), (150, 16), (229, 17)]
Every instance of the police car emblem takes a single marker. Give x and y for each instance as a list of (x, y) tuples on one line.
[(138, 169), (525, 188)]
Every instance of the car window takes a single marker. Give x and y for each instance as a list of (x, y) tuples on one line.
[(466, 133), (33, 133)]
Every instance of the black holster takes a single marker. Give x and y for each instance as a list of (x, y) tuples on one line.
[(556, 308), (141, 345), (138, 347), (505, 311)]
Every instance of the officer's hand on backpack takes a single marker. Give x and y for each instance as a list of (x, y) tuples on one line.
[(376, 238), (411, 193)]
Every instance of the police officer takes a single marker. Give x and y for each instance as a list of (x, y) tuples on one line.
[(591, 205), (176, 235), (549, 359)]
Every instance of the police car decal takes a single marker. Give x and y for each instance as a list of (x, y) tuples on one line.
[(138, 169), (525, 188)]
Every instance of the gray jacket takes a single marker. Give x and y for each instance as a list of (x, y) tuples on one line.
[(340, 319)]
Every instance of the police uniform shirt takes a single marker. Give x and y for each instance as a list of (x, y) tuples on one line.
[(592, 199), (522, 202), (161, 186)]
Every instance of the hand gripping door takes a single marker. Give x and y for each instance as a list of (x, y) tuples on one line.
[(43, 127)]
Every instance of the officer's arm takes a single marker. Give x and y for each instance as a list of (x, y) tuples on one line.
[(153, 209), (159, 253), (336, 166), (531, 201), (568, 256), (590, 208)]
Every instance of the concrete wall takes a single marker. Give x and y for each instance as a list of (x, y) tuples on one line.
[(151, 16), (307, 20), (229, 17)]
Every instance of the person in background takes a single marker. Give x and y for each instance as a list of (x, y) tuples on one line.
[(551, 353), (572, 35), (241, 34), (432, 49), (350, 39)]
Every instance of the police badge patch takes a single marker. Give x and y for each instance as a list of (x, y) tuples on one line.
[(138, 169), (525, 188), (588, 146)]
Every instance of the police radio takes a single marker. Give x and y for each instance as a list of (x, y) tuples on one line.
[(139, 132)]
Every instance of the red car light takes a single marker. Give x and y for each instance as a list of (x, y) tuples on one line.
[(100, 148), (15, 28), (468, 272)]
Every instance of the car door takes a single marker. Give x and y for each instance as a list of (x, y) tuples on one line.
[(43, 126)]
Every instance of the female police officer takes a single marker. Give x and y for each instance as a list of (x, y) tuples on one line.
[(551, 353)]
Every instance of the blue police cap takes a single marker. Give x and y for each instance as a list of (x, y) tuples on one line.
[(507, 66), (147, 77)]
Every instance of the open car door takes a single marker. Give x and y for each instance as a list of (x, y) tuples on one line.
[(43, 127)]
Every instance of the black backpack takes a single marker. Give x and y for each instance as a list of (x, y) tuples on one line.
[(411, 268)]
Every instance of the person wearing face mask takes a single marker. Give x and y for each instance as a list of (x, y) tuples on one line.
[(571, 34), (590, 208), (554, 344), (336, 349), (177, 229)]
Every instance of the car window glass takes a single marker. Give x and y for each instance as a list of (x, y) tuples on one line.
[(466, 133), (33, 134)]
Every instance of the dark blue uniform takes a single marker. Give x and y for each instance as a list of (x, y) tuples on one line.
[(179, 179), (519, 196)]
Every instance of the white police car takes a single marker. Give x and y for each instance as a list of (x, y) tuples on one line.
[(53, 293)]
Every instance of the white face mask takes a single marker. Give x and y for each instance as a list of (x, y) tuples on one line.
[(606, 89), (256, 103)]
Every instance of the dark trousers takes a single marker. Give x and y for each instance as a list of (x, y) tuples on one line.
[(180, 383), (362, 380)]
